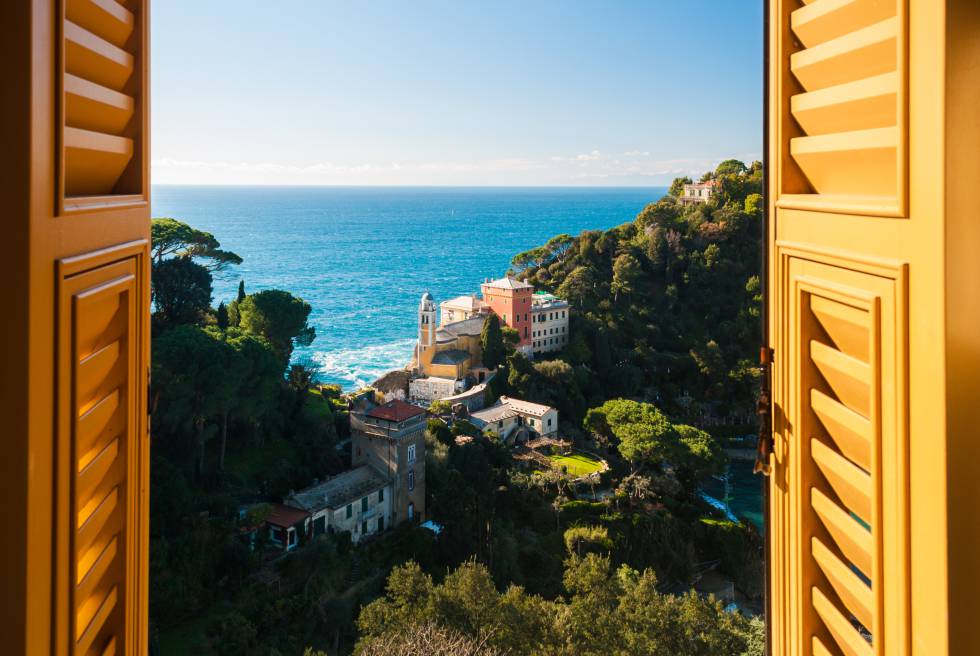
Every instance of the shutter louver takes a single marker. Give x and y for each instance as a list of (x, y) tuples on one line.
[(843, 493), (100, 452), (846, 530), (103, 123), (848, 102)]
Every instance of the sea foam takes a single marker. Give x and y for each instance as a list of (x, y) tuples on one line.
[(357, 367)]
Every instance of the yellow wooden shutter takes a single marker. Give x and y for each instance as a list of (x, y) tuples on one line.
[(873, 253), (840, 520), (75, 266), (100, 459), (845, 91), (847, 523), (103, 92)]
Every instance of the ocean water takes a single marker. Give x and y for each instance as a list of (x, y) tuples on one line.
[(363, 257)]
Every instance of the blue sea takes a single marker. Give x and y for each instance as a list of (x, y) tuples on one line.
[(362, 257)]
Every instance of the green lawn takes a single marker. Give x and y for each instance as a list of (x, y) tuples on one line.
[(577, 464)]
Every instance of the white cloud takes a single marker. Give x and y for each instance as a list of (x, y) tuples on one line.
[(631, 167)]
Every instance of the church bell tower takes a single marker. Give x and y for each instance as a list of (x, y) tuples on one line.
[(427, 324)]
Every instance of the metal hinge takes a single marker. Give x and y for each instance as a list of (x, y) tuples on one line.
[(763, 409)]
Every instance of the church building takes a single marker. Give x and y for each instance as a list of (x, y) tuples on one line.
[(448, 357)]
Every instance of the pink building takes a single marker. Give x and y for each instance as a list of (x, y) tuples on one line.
[(510, 300)]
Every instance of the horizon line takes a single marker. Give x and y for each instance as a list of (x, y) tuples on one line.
[(405, 186)]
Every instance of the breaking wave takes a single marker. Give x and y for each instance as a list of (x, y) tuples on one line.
[(356, 367)]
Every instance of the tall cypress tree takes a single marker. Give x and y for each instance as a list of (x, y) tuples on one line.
[(222, 316), (492, 341), (241, 290)]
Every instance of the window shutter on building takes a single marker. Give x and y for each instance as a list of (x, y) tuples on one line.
[(859, 213)]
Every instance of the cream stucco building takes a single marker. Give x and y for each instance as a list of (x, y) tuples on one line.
[(514, 420), (549, 323)]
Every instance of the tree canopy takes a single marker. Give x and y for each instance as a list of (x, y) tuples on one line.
[(279, 317), (642, 431), (181, 291), (608, 612), (171, 237)]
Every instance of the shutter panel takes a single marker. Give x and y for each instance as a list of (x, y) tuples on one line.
[(846, 95), (103, 115), (76, 336), (100, 454), (847, 525), (842, 244)]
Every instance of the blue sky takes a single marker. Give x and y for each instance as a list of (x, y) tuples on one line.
[(494, 92)]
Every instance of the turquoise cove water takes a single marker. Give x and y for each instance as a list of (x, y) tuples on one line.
[(362, 257)]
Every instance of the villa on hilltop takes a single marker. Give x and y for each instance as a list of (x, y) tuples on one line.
[(698, 192)]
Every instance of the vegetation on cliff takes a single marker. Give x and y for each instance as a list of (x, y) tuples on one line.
[(667, 306)]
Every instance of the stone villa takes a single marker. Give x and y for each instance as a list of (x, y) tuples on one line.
[(699, 192), (385, 486), (510, 418)]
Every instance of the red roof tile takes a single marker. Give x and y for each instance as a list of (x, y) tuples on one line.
[(285, 516), (396, 411)]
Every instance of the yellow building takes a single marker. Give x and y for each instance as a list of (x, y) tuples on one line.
[(450, 351)]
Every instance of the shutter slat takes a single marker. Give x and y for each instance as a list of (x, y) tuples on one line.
[(110, 649), (860, 105), (850, 431), (848, 481), (819, 649), (848, 377), (847, 326), (853, 592), (94, 161), (92, 475), (824, 20), (89, 624), (93, 425), (849, 163), (93, 372), (95, 567), (93, 107), (850, 642), (862, 53), (106, 18), (93, 518), (103, 322), (95, 59), (854, 541)]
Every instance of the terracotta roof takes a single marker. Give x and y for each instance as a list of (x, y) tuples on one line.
[(396, 411), (508, 283), (284, 516)]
